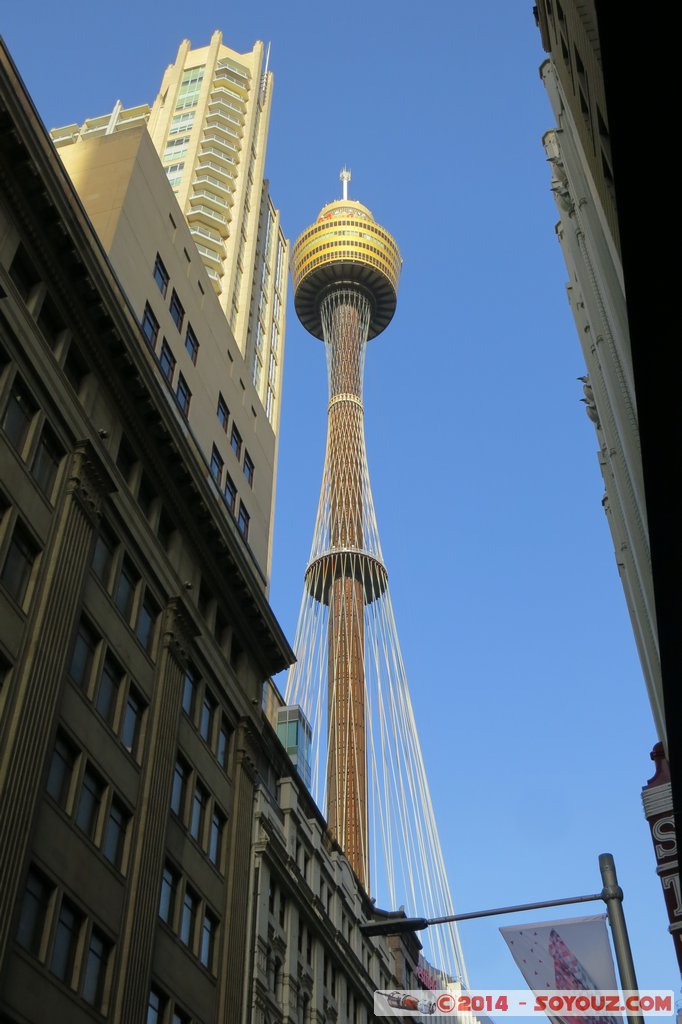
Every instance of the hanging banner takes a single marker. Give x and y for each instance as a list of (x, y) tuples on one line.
[(574, 954)]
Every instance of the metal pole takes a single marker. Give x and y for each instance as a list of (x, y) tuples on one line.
[(612, 894)]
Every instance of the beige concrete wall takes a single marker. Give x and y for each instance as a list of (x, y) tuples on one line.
[(133, 208)]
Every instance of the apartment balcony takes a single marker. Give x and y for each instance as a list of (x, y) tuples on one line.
[(208, 217), (237, 82), (209, 168), (216, 140), (207, 151), (216, 192), (216, 108), (229, 99), (211, 258)]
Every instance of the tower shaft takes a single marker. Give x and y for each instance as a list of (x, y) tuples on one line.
[(345, 316)]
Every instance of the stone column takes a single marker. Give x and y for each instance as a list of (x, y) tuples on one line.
[(39, 679)]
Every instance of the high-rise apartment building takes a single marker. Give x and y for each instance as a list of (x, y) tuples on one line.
[(161, 860), (209, 125)]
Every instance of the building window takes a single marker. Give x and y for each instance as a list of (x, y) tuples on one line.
[(146, 621), (102, 557), (89, 803), (61, 770), (107, 691), (184, 395), (243, 520), (191, 344), (150, 326), (216, 465), (46, 462), (156, 1007), (33, 913), (236, 441), (223, 743), (115, 833), (177, 310), (132, 722), (169, 890), (208, 708), (199, 804), (223, 413), (190, 905), (18, 567), (249, 469), (18, 416), (66, 941), (96, 969), (83, 654), (176, 148), (167, 361), (215, 839), (180, 778), (230, 493), (161, 275), (208, 932), (174, 174), (189, 688), (125, 590)]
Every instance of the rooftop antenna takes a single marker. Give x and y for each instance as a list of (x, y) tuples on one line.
[(345, 178)]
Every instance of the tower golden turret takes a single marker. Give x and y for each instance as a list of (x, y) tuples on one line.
[(346, 270)]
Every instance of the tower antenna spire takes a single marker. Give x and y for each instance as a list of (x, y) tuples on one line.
[(345, 177)]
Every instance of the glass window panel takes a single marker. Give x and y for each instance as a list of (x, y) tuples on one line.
[(83, 654), (18, 416), (132, 719), (61, 770), (46, 462), (189, 909), (115, 834), (95, 969), (89, 803), (16, 572), (33, 912), (108, 689), (65, 941)]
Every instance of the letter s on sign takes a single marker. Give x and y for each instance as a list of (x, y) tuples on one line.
[(663, 832)]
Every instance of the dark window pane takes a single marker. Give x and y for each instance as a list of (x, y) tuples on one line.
[(188, 692), (184, 394), (243, 520), (46, 463), (149, 613), (18, 415), (61, 770), (155, 1007), (223, 413), (50, 322), (189, 909), (249, 469), (169, 885), (114, 837), (132, 720), (199, 802), (191, 344), (150, 325), (207, 940), (230, 492), (216, 837), (65, 941), (207, 708), (216, 465), (89, 803), (33, 912), (16, 572), (236, 441), (108, 689), (179, 781), (95, 969), (179, 1017), (167, 361), (177, 311), (161, 275), (83, 654), (105, 545), (125, 590), (223, 744)]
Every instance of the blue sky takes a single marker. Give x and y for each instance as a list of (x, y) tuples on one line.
[(527, 689)]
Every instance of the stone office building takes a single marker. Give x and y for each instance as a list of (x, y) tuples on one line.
[(160, 858)]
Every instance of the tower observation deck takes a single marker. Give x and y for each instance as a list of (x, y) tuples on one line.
[(368, 771)]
